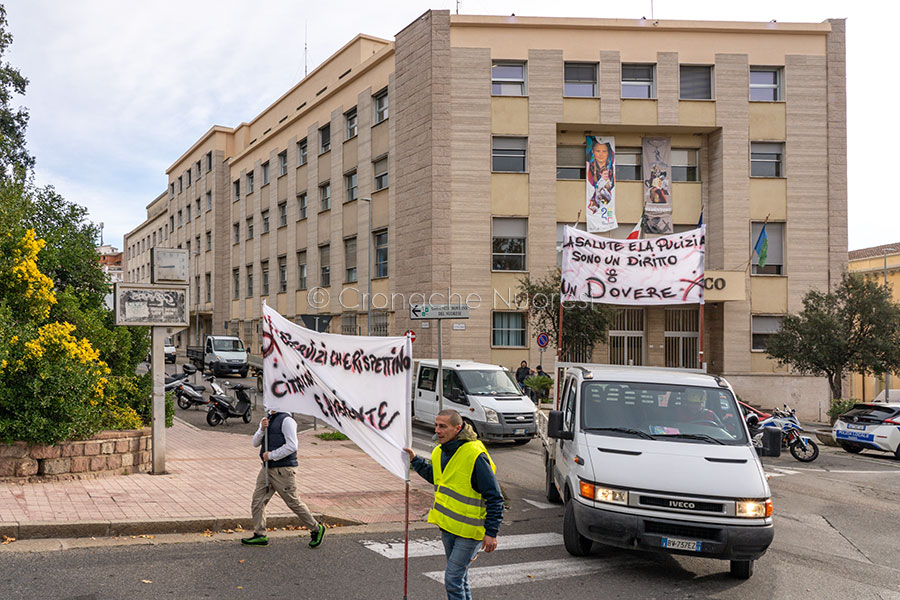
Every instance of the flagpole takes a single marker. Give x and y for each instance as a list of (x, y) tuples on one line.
[(408, 445)]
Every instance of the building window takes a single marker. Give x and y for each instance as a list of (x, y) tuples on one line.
[(682, 337), (684, 164), (302, 156), (508, 79), (580, 80), (350, 121), (282, 273), (637, 81), (172, 189), (265, 173), (380, 167), (180, 219), (350, 260), (508, 329), (198, 170), (198, 206), (187, 210), (171, 224), (379, 323), (325, 196), (235, 284), (209, 241), (197, 243), (236, 228), (301, 270), (209, 161), (282, 214), (188, 173), (249, 280), (508, 154), (301, 207), (628, 164), (250, 177), (765, 84), (249, 228), (695, 83), (570, 162), (180, 185), (771, 247), (282, 163), (237, 190), (325, 265), (325, 139), (350, 186), (380, 102), (764, 327), (208, 200), (209, 287), (381, 254), (264, 269), (508, 244), (348, 324), (626, 337), (766, 159), (265, 221)]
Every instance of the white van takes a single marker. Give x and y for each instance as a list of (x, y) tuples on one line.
[(657, 459), (485, 395)]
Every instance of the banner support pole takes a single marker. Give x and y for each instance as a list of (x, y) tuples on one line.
[(700, 353), (406, 548), (559, 354)]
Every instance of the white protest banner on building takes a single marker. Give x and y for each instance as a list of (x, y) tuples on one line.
[(657, 271), (358, 385)]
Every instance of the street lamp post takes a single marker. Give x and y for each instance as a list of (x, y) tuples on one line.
[(369, 270), (197, 290)]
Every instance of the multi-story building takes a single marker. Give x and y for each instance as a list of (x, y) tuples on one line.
[(442, 166)]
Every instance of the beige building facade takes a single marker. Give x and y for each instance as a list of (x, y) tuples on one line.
[(446, 162)]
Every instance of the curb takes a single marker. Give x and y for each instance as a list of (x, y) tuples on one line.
[(826, 437), (81, 529)]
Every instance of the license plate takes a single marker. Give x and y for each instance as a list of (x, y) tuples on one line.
[(855, 426), (676, 544), (519, 431)]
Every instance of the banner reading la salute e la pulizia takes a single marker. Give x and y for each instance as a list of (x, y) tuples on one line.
[(600, 183), (358, 385), (656, 271)]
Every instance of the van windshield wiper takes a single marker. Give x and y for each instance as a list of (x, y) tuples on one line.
[(694, 436), (637, 432)]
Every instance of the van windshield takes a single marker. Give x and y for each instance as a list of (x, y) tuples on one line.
[(489, 383), (662, 412), (233, 345)]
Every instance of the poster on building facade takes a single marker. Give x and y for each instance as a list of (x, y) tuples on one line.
[(601, 183), (357, 385), (657, 174), (658, 271)]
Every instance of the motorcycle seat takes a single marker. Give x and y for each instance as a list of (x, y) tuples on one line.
[(196, 388), (240, 386)]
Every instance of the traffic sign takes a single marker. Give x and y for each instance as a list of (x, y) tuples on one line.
[(543, 339), (411, 334), (438, 311)]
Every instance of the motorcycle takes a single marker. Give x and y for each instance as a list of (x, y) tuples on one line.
[(802, 447), (221, 407), (188, 394)]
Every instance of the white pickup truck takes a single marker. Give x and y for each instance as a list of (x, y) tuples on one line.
[(221, 354), (656, 459)]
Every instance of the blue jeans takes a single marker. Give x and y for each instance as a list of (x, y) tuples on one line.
[(460, 551)]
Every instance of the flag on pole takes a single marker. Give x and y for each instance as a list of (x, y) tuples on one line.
[(636, 232), (762, 247)]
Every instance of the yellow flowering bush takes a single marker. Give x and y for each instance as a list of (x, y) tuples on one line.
[(22, 283)]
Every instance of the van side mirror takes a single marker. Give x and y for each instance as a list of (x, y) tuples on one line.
[(771, 442), (555, 426)]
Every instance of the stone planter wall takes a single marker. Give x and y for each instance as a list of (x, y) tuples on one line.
[(107, 453)]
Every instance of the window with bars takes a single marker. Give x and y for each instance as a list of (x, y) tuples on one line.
[(348, 324), (570, 162), (379, 323), (695, 82), (508, 329), (626, 337), (682, 337)]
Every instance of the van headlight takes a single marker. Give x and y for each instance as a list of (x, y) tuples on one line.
[(603, 494), (490, 415), (754, 509)]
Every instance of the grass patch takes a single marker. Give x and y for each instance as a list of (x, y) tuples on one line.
[(332, 436)]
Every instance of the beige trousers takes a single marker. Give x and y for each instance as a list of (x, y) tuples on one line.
[(284, 481)]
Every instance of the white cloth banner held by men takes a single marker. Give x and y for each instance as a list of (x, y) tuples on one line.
[(358, 385), (657, 271)]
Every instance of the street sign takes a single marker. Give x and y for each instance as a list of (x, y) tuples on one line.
[(168, 265), (543, 339), (438, 311), (459, 327), (411, 334), (148, 304)]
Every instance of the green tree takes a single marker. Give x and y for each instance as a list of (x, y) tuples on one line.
[(584, 324), (15, 161), (854, 328)]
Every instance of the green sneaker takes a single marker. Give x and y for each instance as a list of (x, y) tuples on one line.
[(256, 540), (317, 536)]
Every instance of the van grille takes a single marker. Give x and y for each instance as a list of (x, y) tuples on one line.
[(691, 505), (688, 531), (523, 419)]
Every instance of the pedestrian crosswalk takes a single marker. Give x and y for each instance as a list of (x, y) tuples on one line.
[(434, 547)]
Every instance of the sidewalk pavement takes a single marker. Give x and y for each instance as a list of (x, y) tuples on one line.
[(209, 481)]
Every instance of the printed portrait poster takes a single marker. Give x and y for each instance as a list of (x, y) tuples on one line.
[(650, 272), (657, 173), (601, 183), (359, 385)]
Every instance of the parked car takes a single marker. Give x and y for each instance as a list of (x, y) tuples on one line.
[(870, 427)]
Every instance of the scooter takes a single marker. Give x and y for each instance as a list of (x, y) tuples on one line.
[(173, 381), (221, 407), (188, 394)]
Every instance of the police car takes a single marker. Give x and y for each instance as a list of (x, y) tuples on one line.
[(870, 427)]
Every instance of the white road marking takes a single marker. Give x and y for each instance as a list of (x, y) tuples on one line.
[(420, 548), (529, 572), (778, 472), (540, 504)]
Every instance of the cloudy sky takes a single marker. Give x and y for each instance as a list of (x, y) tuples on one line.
[(119, 89)]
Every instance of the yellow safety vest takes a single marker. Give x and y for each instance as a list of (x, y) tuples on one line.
[(458, 508)]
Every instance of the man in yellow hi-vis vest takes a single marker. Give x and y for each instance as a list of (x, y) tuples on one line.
[(468, 503)]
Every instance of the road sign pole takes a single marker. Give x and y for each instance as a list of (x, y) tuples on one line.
[(158, 420), (440, 367)]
